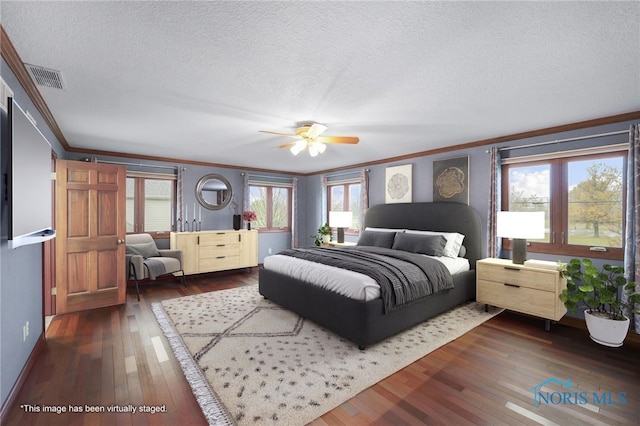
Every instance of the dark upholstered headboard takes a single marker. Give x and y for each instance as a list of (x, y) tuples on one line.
[(445, 217)]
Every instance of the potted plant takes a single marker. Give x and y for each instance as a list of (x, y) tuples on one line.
[(600, 290), (323, 236)]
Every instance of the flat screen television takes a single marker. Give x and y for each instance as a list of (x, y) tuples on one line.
[(28, 181)]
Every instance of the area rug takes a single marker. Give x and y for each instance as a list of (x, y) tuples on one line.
[(248, 361)]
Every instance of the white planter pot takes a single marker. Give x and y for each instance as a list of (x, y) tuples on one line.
[(326, 239), (606, 331)]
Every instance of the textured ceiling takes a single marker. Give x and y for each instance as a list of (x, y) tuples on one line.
[(198, 80)]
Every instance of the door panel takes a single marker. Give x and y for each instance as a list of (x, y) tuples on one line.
[(90, 231)]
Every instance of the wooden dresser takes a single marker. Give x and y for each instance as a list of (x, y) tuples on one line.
[(520, 288), (209, 251)]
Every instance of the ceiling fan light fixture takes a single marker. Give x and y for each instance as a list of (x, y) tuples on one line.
[(309, 137), (316, 148), (298, 147), (313, 150)]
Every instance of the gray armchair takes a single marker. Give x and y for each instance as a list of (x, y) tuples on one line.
[(145, 261)]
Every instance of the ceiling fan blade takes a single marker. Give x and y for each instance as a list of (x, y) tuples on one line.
[(339, 139), (315, 130), (279, 134), (287, 145)]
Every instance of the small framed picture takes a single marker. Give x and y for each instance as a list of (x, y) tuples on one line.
[(451, 180), (398, 184)]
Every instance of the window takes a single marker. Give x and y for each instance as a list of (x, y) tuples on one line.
[(150, 201), (583, 198), (272, 205), (345, 196)]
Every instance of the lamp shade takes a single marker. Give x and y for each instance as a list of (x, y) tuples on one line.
[(340, 219), (520, 225)]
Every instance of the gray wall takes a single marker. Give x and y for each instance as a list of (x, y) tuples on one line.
[(21, 271)]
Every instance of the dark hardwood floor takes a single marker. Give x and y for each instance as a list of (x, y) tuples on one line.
[(119, 356)]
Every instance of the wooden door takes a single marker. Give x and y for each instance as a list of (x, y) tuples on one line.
[(90, 231)]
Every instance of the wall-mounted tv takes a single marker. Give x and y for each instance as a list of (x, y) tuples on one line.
[(28, 181)]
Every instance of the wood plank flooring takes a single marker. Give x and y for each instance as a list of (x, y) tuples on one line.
[(119, 356)]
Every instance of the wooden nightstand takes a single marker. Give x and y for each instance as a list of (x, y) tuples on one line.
[(337, 244), (520, 288)]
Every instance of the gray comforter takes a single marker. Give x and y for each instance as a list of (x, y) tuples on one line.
[(403, 277)]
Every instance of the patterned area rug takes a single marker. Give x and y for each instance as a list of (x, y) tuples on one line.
[(249, 361)]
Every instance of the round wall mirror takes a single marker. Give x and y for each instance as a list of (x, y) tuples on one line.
[(213, 192)]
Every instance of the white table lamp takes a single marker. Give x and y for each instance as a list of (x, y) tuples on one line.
[(340, 220), (519, 226)]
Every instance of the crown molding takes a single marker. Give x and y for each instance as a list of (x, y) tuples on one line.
[(12, 58)]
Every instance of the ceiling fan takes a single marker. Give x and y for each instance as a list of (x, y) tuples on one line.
[(309, 137)]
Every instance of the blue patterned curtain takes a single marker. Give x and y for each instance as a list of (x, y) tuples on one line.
[(494, 244), (294, 212), (364, 195), (179, 199), (246, 202), (631, 252), (323, 204)]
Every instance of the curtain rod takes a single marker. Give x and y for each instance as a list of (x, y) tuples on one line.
[(355, 172), (251, 175), (137, 165), (577, 138)]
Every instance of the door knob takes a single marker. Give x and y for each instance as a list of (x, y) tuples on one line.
[(120, 241)]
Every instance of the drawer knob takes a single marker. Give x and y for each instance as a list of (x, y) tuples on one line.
[(512, 285), (512, 268)]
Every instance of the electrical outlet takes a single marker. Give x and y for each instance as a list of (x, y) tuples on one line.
[(28, 329), (269, 251)]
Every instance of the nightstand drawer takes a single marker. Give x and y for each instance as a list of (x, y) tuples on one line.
[(521, 299), (530, 278)]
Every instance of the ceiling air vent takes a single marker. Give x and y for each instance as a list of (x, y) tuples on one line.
[(45, 77)]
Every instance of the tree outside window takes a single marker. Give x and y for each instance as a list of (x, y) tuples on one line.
[(583, 200), (346, 194), (272, 206)]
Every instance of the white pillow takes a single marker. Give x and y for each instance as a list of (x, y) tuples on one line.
[(454, 241), (368, 228)]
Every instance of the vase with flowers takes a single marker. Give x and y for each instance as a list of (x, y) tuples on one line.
[(249, 216)]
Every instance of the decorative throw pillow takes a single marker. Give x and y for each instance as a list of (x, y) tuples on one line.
[(432, 245), (143, 249), (376, 239), (454, 241)]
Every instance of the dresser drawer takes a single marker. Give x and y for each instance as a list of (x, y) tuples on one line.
[(522, 299), (218, 250), (215, 238), (219, 263), (530, 278)]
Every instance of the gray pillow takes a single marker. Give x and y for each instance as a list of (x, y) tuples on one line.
[(432, 245), (143, 249), (376, 239)]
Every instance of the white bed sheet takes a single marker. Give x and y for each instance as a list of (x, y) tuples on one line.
[(348, 283)]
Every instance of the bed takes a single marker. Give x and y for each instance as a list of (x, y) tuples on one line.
[(366, 322)]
